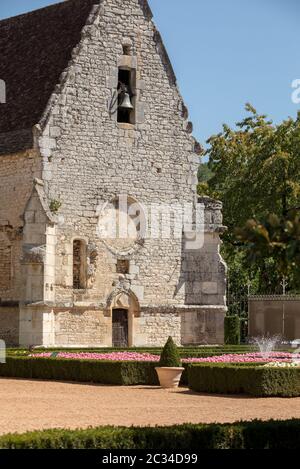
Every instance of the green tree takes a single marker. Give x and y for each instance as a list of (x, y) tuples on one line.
[(256, 172), (274, 238), (204, 175)]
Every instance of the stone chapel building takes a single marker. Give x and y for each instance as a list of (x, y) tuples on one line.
[(93, 111)]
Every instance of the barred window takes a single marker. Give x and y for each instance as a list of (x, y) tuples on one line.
[(79, 264)]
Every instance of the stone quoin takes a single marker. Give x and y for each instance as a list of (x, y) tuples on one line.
[(93, 111)]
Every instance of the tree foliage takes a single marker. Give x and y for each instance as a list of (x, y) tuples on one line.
[(256, 173), (276, 238)]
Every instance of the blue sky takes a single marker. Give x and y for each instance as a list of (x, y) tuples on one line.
[(225, 53)]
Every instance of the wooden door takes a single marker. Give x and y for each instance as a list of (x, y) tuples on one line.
[(120, 328)]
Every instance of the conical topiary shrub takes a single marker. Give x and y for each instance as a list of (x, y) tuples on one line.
[(170, 356)]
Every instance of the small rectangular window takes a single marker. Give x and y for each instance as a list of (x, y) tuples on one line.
[(79, 265), (122, 266)]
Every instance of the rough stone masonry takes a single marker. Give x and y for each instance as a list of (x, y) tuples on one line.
[(93, 111)]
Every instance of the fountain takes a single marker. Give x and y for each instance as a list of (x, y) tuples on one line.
[(296, 357), (266, 344)]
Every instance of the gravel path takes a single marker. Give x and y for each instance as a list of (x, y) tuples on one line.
[(34, 405)]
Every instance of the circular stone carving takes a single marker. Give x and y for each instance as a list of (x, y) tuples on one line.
[(122, 225)]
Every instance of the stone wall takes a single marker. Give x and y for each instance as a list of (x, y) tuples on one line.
[(17, 172), (78, 327), (89, 158), (5, 263), (16, 184), (202, 325), (151, 327), (93, 328), (156, 324)]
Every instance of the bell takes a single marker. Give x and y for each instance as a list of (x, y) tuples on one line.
[(126, 103)]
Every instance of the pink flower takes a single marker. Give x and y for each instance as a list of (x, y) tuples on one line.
[(112, 356), (254, 357)]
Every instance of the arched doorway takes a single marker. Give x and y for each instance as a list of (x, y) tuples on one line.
[(120, 327), (124, 309)]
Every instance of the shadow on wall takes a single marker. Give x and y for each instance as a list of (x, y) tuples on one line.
[(9, 324)]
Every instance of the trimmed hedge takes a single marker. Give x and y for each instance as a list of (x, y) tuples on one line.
[(102, 372), (243, 435), (232, 330), (88, 371), (244, 378)]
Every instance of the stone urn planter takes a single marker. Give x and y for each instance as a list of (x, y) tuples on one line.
[(169, 377), (169, 369)]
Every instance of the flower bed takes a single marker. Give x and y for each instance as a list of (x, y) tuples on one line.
[(113, 356), (253, 357), (295, 364)]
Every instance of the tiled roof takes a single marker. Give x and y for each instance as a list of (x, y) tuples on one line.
[(35, 48)]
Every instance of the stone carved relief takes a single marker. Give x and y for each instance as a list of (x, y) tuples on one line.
[(112, 219), (92, 256), (122, 296)]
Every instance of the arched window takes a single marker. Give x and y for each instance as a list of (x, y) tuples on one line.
[(79, 264)]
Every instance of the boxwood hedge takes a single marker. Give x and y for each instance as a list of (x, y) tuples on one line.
[(93, 371), (248, 378), (243, 435), (232, 330), (102, 372)]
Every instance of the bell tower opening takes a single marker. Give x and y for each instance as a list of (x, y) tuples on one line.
[(126, 83)]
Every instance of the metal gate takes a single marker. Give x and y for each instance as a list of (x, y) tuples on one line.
[(274, 315)]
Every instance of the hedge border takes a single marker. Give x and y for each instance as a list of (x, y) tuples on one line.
[(241, 435), (122, 373), (248, 378)]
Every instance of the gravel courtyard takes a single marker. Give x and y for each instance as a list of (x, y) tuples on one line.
[(34, 405)]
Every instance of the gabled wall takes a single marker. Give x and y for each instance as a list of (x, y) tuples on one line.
[(89, 158), (86, 158)]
